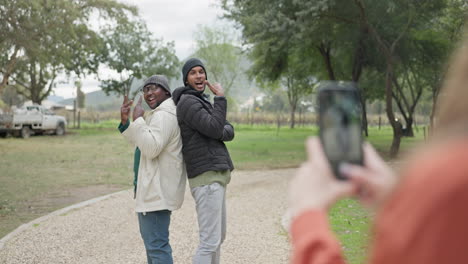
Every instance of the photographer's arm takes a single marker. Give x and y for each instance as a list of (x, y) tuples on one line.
[(312, 240), (312, 192)]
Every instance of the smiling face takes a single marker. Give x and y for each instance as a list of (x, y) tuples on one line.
[(154, 95), (196, 78)]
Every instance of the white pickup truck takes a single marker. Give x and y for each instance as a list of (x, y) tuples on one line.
[(31, 119)]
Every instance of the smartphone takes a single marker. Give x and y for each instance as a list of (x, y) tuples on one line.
[(340, 123)]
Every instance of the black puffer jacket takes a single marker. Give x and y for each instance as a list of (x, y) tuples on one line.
[(203, 128)]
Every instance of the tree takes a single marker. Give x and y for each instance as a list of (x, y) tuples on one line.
[(353, 39), (298, 81), (295, 81), (132, 51), (274, 51), (10, 97), (42, 39), (395, 21), (334, 50), (421, 71), (215, 46), (401, 18), (448, 31), (275, 102), (80, 95)]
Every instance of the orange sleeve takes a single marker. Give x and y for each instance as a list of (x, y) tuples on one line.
[(426, 220), (312, 240)]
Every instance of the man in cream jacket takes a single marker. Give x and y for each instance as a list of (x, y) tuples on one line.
[(161, 171)]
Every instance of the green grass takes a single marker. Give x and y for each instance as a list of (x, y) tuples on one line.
[(381, 139), (351, 224), (257, 147), (38, 174), (265, 147)]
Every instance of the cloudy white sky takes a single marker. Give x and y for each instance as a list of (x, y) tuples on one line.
[(177, 20), (172, 20)]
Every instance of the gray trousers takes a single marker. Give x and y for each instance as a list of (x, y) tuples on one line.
[(211, 213)]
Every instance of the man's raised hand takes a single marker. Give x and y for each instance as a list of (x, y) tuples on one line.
[(216, 88), (138, 111), (125, 110)]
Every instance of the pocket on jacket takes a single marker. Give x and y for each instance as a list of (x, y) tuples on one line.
[(171, 185), (150, 187)]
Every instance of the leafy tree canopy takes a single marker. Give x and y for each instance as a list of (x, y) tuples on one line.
[(132, 52), (43, 39)]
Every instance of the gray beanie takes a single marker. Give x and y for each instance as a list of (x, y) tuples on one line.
[(160, 80), (193, 62)]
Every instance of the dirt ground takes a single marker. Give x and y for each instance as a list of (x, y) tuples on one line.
[(107, 231), (28, 210), (69, 196)]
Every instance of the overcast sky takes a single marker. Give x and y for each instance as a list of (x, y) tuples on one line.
[(171, 20)]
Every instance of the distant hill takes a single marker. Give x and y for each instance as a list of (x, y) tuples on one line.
[(241, 91), (55, 98), (98, 100)]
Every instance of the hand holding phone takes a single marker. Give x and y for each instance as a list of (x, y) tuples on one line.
[(340, 124)]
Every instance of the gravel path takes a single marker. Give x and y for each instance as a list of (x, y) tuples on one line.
[(107, 231)]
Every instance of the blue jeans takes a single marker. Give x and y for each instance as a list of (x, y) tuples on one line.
[(154, 229)]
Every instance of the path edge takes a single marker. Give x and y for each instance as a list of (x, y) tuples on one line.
[(41, 219)]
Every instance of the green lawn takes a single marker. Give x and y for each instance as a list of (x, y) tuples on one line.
[(264, 147), (351, 224), (37, 175), (40, 174), (256, 147)]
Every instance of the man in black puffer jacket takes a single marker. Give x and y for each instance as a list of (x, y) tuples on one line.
[(204, 129)]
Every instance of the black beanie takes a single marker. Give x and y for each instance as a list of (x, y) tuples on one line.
[(193, 62)]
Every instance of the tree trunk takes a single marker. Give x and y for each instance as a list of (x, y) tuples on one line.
[(358, 64), (9, 70), (278, 122), (293, 114), (324, 50), (408, 131), (364, 123), (397, 135), (435, 94), (35, 97), (407, 109), (396, 125), (387, 49), (292, 98)]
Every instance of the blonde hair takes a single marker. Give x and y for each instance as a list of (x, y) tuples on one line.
[(452, 102)]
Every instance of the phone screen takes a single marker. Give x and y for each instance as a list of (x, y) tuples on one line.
[(340, 123)]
